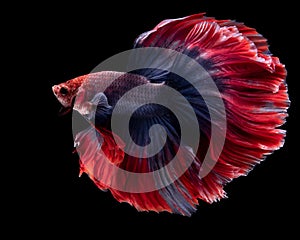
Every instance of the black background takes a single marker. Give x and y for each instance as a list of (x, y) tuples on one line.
[(71, 40)]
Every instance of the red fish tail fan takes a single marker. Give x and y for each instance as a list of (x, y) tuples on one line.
[(250, 81)]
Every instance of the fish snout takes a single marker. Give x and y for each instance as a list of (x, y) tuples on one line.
[(55, 89)]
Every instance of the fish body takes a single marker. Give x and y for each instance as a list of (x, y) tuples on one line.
[(250, 81), (113, 84)]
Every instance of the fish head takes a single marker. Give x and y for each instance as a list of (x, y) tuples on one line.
[(66, 92)]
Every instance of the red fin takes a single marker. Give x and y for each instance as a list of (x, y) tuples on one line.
[(252, 84), (259, 41), (149, 201), (111, 149), (101, 171), (98, 153)]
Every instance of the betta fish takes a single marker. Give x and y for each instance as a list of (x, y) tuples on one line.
[(164, 110)]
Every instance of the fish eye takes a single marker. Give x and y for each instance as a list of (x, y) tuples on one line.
[(63, 91)]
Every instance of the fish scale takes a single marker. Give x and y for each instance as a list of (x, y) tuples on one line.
[(116, 84)]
